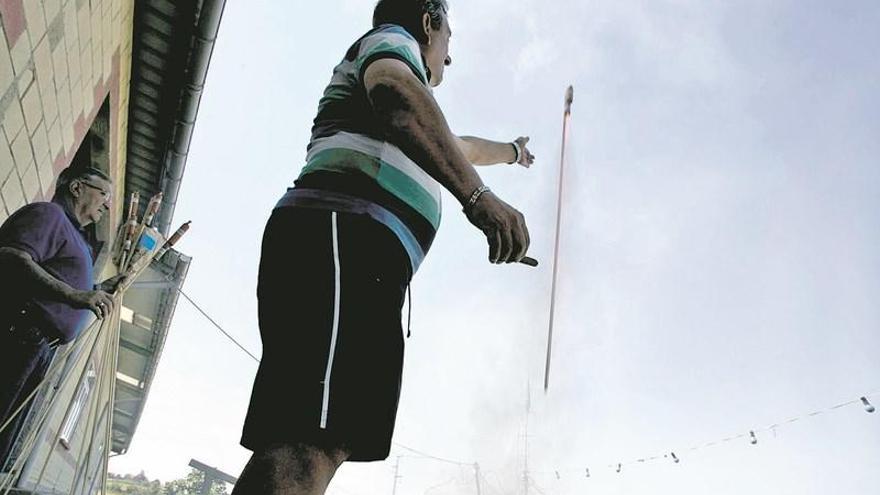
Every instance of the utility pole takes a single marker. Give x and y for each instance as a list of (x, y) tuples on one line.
[(477, 476), (396, 476)]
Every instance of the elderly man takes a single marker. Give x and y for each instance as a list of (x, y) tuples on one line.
[(341, 246), (46, 261)]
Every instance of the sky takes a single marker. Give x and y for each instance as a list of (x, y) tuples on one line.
[(718, 268)]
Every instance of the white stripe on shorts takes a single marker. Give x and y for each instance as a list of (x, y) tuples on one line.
[(325, 406)]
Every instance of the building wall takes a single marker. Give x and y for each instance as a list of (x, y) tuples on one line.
[(59, 61)]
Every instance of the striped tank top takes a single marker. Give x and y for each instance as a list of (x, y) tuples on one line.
[(352, 167)]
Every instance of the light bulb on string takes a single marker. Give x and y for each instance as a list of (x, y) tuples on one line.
[(588, 472), (557, 474), (674, 458), (754, 439), (619, 467), (868, 407)]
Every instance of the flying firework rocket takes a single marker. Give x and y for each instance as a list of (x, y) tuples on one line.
[(566, 117)]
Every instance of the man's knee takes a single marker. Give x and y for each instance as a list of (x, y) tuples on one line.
[(298, 465), (293, 463)]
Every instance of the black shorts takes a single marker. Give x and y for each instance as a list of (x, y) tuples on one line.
[(330, 292)]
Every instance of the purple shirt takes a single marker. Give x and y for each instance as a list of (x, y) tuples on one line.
[(56, 242)]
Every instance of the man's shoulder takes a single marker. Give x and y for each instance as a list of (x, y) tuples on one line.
[(391, 33), (35, 227), (35, 216), (390, 41), (382, 32), (391, 29), (41, 209)]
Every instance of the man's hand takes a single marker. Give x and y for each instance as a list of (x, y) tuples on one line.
[(526, 158), (97, 301), (504, 227), (112, 283)]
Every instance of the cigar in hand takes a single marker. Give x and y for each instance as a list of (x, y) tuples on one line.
[(529, 261)]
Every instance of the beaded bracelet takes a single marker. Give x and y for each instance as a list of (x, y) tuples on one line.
[(475, 197), (517, 150)]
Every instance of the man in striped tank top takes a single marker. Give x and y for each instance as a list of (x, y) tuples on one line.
[(341, 246)]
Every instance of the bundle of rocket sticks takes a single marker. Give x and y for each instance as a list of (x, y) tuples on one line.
[(139, 240), (137, 245)]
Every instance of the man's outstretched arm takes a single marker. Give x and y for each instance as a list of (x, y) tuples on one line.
[(481, 151), (417, 126)]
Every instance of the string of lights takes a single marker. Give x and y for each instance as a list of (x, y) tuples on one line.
[(752, 436)]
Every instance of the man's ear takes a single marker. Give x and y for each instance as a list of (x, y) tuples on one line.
[(426, 26), (75, 188)]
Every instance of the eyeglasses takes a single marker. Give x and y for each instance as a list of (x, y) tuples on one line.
[(105, 193)]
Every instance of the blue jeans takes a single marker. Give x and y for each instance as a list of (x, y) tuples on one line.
[(25, 356)]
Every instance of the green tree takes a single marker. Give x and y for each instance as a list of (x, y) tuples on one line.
[(140, 485), (121, 486), (192, 485)]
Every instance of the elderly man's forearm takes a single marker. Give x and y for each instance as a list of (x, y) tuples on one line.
[(41, 281)]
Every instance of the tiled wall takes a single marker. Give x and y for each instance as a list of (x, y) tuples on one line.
[(59, 61)]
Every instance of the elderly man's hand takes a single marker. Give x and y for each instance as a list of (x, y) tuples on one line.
[(504, 227), (112, 283), (526, 158), (97, 301)]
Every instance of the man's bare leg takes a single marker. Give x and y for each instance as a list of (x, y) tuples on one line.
[(289, 470)]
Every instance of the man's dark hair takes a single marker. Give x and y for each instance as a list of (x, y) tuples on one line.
[(408, 14), (75, 172)]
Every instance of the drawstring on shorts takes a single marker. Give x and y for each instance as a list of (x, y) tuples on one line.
[(408, 310)]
